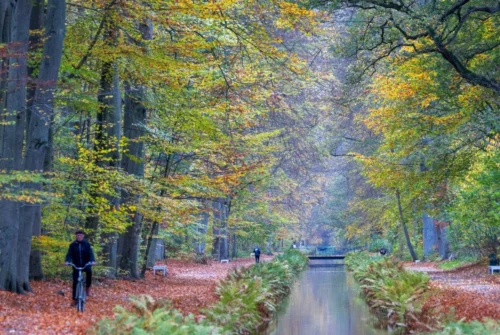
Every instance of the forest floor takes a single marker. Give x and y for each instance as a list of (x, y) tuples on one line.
[(469, 291), (188, 285)]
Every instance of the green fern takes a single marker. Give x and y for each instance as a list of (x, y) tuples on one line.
[(147, 317), (487, 327), (394, 294), (246, 297)]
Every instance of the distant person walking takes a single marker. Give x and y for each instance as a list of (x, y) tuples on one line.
[(256, 252)]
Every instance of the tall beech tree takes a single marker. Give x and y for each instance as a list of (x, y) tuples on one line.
[(41, 116), (19, 213), (16, 31)]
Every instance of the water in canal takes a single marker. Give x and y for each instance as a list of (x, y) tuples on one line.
[(325, 300)]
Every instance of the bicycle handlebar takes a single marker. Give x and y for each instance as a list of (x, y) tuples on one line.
[(77, 268)]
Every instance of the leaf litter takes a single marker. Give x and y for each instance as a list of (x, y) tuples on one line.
[(48, 310), (468, 292)]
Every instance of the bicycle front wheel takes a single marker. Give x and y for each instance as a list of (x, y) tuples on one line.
[(80, 306)]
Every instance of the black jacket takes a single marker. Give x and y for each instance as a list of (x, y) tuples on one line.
[(256, 251), (80, 253)]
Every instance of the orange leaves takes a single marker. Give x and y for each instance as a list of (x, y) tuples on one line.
[(470, 291)]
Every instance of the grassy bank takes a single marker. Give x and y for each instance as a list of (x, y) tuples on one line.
[(247, 298)]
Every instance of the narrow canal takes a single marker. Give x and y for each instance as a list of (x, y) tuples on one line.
[(325, 301)]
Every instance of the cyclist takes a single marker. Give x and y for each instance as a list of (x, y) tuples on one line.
[(80, 253)]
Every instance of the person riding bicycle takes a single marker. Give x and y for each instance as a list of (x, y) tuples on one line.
[(80, 253)]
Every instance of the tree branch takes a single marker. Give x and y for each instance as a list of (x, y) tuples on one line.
[(97, 35), (453, 9)]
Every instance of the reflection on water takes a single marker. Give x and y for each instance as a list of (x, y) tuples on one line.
[(324, 301)]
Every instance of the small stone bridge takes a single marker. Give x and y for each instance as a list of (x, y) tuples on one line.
[(326, 257), (330, 254)]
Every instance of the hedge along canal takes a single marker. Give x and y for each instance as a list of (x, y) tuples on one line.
[(326, 300), (247, 300)]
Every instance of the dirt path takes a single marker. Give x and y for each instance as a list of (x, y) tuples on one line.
[(469, 290), (190, 286)]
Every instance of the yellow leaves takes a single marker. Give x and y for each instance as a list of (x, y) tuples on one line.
[(489, 29), (45, 242), (352, 231), (472, 95), (14, 188), (383, 170), (408, 99), (406, 83), (295, 17)]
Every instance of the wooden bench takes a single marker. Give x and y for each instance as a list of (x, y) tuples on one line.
[(493, 268), (224, 261), (160, 268)]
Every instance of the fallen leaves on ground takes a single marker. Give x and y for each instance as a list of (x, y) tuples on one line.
[(470, 291), (188, 285)]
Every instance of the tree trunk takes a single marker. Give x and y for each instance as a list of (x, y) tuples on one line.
[(269, 242), (5, 25), (108, 130), (149, 245), (113, 121), (225, 218), (405, 229), (216, 243), (442, 241), (9, 224), (105, 90), (12, 146), (220, 213), (40, 122), (234, 250), (152, 249), (35, 46), (133, 163), (429, 235), (202, 230)]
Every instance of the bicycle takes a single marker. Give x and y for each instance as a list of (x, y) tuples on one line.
[(81, 294)]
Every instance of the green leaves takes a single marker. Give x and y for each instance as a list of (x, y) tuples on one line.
[(475, 206), (149, 318), (487, 327)]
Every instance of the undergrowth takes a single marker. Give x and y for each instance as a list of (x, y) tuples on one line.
[(487, 327), (148, 317), (247, 297), (395, 295)]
